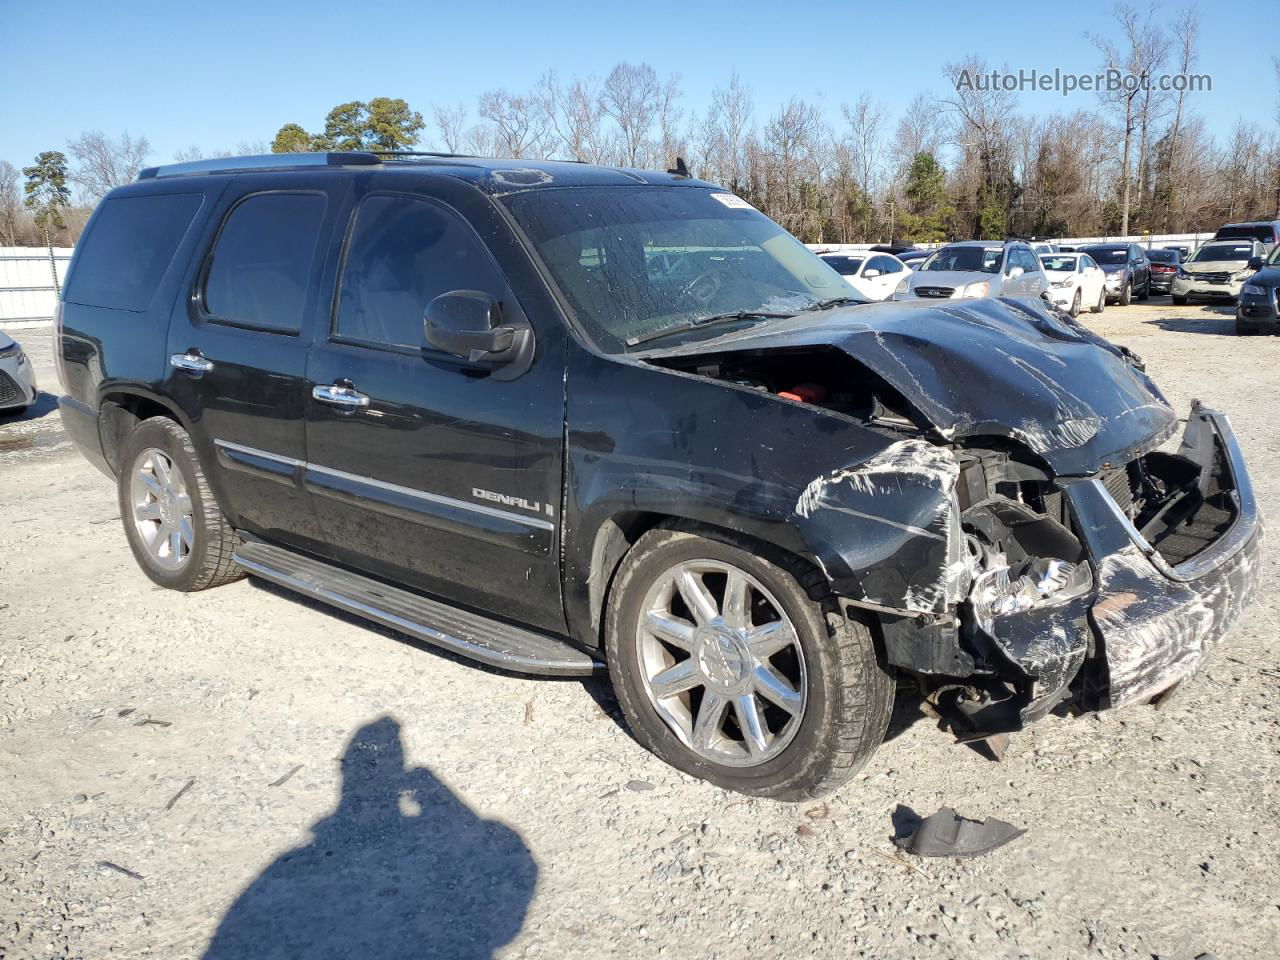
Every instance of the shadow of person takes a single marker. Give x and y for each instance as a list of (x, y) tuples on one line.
[(402, 868)]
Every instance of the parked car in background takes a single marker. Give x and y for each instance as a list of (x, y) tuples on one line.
[(893, 248), (1267, 232), (17, 378), (914, 258), (874, 275), (1043, 247), (976, 268), (1067, 248), (1258, 310), (1182, 249), (1127, 268), (1217, 270), (1075, 281), (1164, 267)]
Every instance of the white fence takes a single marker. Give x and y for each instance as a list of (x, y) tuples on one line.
[(27, 291)]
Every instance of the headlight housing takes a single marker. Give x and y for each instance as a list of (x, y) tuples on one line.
[(1254, 290), (978, 289), (903, 285), (1113, 279), (13, 350), (1062, 283), (1242, 274)]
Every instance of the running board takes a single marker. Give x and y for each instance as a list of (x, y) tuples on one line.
[(467, 634)]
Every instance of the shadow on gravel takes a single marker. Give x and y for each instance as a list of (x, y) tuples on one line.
[(1218, 321), (402, 868)]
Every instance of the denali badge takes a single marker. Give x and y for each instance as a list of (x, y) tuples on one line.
[(505, 500)]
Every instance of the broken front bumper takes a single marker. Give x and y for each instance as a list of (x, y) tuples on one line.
[(1153, 623)]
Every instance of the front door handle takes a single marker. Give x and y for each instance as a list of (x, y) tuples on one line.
[(190, 362), (340, 396)]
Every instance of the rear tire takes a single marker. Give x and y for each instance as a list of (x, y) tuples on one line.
[(841, 696), (173, 524)]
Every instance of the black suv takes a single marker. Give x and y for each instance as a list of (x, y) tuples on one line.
[(1127, 268), (558, 417)]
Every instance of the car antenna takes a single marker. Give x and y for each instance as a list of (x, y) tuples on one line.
[(680, 170)]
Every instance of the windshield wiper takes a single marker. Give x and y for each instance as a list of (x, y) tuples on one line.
[(835, 302), (696, 322)]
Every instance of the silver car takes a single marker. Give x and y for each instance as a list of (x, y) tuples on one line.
[(1217, 270), (976, 268), (17, 378)]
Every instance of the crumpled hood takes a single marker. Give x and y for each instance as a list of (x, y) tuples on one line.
[(1215, 266), (991, 367)]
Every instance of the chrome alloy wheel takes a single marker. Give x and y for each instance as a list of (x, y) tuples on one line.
[(162, 511), (721, 663)]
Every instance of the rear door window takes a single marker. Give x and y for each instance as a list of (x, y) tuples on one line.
[(128, 249), (259, 272)]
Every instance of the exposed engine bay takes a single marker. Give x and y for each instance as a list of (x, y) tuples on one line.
[(1009, 630)]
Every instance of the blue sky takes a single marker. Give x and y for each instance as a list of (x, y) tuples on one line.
[(216, 74)]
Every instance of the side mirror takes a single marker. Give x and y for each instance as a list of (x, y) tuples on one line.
[(1255, 263), (871, 272), (468, 324), (1015, 273)]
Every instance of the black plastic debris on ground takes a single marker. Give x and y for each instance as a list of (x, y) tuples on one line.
[(947, 834)]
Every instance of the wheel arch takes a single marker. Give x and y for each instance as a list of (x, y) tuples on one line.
[(120, 412)]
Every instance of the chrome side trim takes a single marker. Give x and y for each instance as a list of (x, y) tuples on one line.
[(255, 452), (524, 519)]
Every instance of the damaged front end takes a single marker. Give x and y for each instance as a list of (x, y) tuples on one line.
[(1101, 591)]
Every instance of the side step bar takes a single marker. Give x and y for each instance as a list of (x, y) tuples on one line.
[(468, 634)]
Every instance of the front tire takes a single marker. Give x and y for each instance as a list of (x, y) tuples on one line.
[(726, 666), (1102, 301), (1075, 305), (1126, 295), (173, 524), (1146, 291)]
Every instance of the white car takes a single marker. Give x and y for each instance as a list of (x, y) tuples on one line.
[(976, 268), (1075, 281), (17, 379), (874, 275)]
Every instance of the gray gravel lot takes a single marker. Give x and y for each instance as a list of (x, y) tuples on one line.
[(239, 774)]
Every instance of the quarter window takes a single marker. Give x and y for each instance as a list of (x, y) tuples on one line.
[(260, 269), (403, 254)]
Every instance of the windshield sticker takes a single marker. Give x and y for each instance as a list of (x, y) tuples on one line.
[(732, 202)]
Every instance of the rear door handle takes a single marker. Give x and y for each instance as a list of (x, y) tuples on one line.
[(190, 362), (340, 396)]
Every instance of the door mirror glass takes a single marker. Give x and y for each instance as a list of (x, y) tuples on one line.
[(870, 272), (1015, 273), (468, 324)]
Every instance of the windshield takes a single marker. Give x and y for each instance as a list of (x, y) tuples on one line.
[(1225, 252), (1055, 262), (633, 261), (972, 259), (1274, 259), (1106, 255), (1261, 232), (845, 266)]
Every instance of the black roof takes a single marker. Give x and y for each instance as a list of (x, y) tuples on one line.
[(495, 175)]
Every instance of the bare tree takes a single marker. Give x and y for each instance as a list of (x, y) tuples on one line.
[(103, 163), (573, 115), (791, 139), (451, 122), (984, 111), (10, 204), (518, 123), (1145, 47), (865, 139), (632, 98)]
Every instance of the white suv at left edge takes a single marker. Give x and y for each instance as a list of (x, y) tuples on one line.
[(1075, 281), (874, 275), (17, 379)]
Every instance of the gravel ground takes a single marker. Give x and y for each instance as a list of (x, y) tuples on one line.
[(239, 774)]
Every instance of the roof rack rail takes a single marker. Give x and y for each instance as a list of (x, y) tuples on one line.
[(419, 153), (270, 161)]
